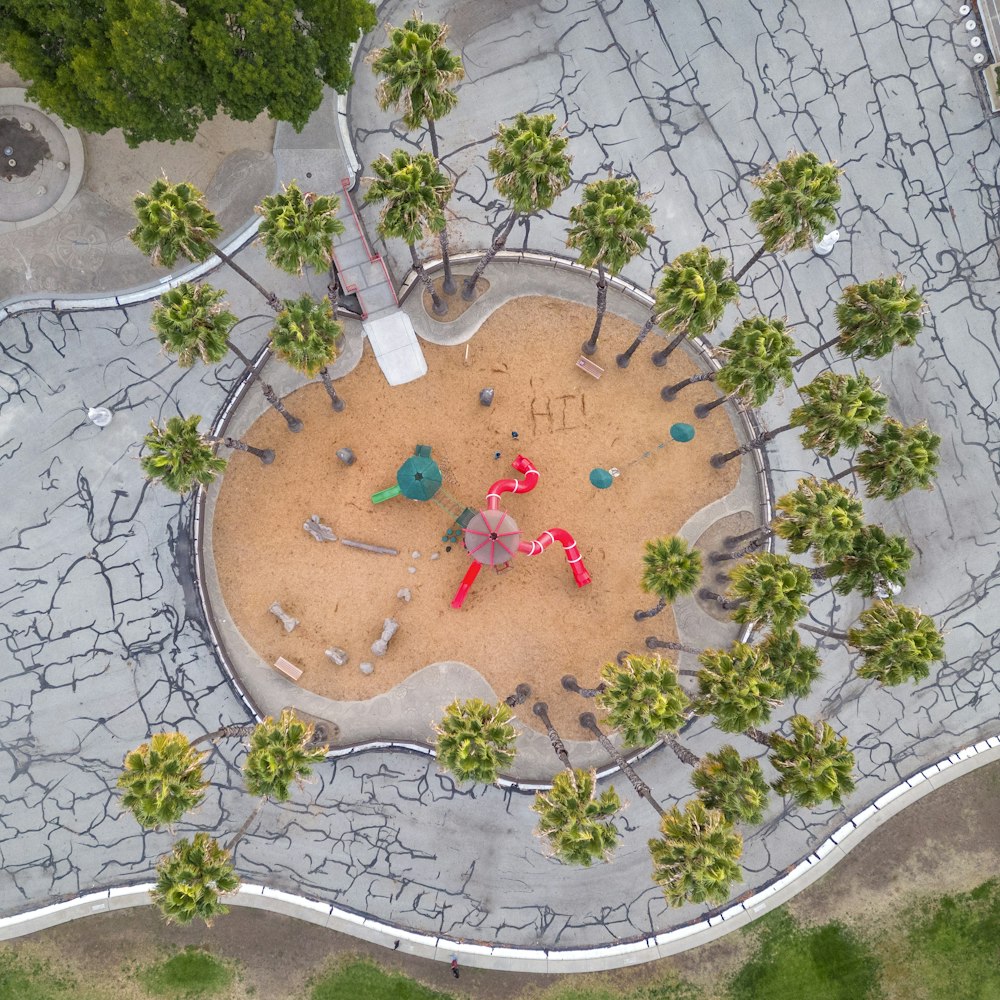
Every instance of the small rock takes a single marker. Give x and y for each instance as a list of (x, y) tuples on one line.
[(435, 555), (404, 594), (367, 668), (414, 555), (338, 655), (411, 569)]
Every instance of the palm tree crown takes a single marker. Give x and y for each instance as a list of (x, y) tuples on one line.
[(898, 643), (162, 779), (417, 71), (794, 667), (178, 456), (414, 191), (192, 323), (670, 568), (306, 335), (819, 516), (610, 225), (736, 687), (814, 764), (797, 201), (173, 221), (734, 786), (530, 165), (877, 316), (693, 293), (897, 459), (298, 229), (773, 590), (280, 753), (475, 740), (836, 410), (874, 561), (758, 358), (697, 858), (192, 878), (643, 698), (575, 821)]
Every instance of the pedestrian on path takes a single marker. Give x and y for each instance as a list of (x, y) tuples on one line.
[(454, 966)]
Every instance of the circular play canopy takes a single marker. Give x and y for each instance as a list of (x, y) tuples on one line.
[(491, 537), (601, 478), (419, 477), (682, 432)]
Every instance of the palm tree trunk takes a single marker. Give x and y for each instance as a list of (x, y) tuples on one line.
[(753, 545), (684, 755), (294, 424), (819, 350), (758, 253), (758, 736), (643, 615), (710, 595), (449, 280), (829, 634), (659, 358), (272, 300), (623, 360), (719, 460), (440, 307), (499, 242), (588, 721), (521, 694), (242, 730), (246, 826), (840, 475), (653, 643), (542, 711), (668, 392), (602, 303), (732, 540), (266, 455), (569, 683), (821, 573), (702, 410), (333, 289), (337, 403), (432, 133)]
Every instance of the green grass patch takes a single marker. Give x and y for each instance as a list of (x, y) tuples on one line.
[(665, 988), (25, 978), (952, 948), (357, 979), (828, 962), (190, 973)]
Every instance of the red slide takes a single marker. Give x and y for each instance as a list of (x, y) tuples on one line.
[(573, 557), (523, 465)]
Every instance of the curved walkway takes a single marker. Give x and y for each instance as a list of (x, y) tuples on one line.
[(102, 635)]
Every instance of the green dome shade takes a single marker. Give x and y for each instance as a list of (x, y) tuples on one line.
[(419, 477), (601, 478), (682, 432)]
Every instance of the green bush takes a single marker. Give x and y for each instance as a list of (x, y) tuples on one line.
[(190, 973)]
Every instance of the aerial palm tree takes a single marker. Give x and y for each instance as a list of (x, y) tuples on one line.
[(162, 779), (530, 170), (192, 323), (766, 588), (297, 229), (794, 667), (727, 782), (475, 740), (697, 858), (757, 359), (816, 516), (835, 413), (280, 752), (814, 764), (414, 193), (875, 562), (896, 459), (179, 457), (689, 302), (643, 698), (191, 880), (174, 221), (418, 71), (736, 687), (796, 206), (575, 820), (875, 317), (608, 228), (897, 643), (307, 336), (670, 569)]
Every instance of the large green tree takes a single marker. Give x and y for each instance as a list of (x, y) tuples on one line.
[(896, 459), (307, 337), (874, 564), (475, 740), (609, 227), (736, 687), (178, 456), (766, 589), (670, 569), (298, 228), (643, 698), (192, 879), (281, 751), (726, 781), (162, 779), (157, 70)]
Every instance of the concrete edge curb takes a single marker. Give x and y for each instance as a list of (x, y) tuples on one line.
[(483, 955)]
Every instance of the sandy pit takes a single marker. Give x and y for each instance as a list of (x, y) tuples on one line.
[(528, 624)]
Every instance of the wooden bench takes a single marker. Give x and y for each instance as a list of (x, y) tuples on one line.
[(589, 367), (287, 669)]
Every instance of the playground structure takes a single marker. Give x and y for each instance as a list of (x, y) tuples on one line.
[(492, 537)]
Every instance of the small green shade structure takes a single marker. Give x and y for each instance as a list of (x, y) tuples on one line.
[(601, 478), (682, 432), (418, 478)]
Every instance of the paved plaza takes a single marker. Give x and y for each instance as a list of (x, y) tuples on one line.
[(103, 638)]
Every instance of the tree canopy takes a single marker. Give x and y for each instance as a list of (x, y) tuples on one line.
[(158, 70)]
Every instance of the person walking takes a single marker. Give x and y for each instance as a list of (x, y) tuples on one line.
[(454, 966)]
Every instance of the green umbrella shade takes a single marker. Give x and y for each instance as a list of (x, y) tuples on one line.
[(419, 477)]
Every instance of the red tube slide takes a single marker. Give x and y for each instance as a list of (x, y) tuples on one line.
[(467, 581), (523, 465), (573, 557)]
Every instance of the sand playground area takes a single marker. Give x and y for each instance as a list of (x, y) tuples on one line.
[(528, 624)]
